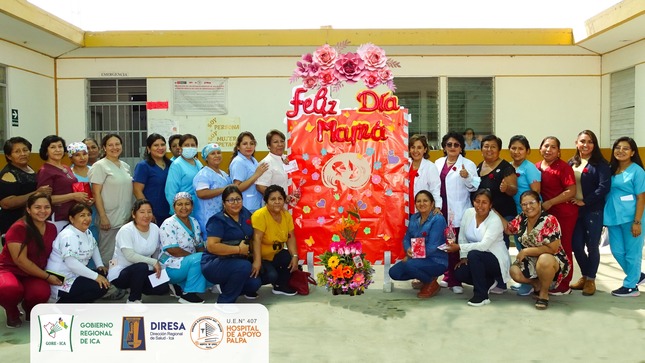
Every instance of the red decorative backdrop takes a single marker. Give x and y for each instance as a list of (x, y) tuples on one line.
[(346, 158)]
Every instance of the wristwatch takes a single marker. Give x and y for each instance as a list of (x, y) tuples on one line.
[(637, 222)]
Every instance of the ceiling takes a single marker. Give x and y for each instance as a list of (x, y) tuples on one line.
[(30, 27)]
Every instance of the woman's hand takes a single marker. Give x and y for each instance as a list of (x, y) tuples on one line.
[(45, 189), (80, 197), (293, 265), (636, 229), (102, 281), (547, 205), (578, 202), (105, 223), (453, 247), (255, 268), (53, 280), (102, 270), (262, 167), (463, 172), (463, 261), (520, 256), (157, 268), (409, 253), (244, 249)]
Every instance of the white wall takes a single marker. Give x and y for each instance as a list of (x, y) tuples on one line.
[(30, 90), (534, 95)]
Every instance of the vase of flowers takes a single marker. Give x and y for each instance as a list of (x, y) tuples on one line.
[(346, 271)]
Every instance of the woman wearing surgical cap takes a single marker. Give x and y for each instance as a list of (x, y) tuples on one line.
[(209, 184), (77, 152), (150, 174), (182, 246)]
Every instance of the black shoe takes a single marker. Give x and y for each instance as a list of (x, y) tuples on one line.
[(175, 290), (190, 298), (641, 280), (284, 290), (626, 292)]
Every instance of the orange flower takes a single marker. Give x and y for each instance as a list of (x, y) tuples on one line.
[(348, 272), (337, 272)]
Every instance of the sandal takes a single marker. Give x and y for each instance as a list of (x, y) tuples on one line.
[(541, 304)]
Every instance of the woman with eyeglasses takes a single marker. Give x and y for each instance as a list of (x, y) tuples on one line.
[(459, 178), (542, 262), (226, 260), (557, 189), (623, 214), (181, 250), (423, 172), (273, 228), (593, 180)]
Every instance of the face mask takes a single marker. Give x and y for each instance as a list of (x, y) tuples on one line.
[(189, 152)]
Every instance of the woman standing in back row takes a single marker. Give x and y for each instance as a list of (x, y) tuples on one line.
[(624, 213), (593, 180), (557, 189)]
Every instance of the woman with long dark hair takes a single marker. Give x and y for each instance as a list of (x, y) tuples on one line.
[(245, 170), (150, 174), (23, 260), (593, 180), (623, 214)]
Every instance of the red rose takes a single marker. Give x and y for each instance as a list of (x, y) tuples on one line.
[(248, 221), (454, 168), (517, 175), (416, 174), (491, 176), (585, 171), (424, 234)]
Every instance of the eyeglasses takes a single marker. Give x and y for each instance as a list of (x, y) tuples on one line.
[(453, 144), (233, 200), (528, 204), (622, 148)]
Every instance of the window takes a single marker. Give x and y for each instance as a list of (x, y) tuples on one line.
[(470, 105), (3, 105), (119, 106), (419, 96), (622, 104)]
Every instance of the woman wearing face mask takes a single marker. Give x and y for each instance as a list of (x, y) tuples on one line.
[(182, 172), (245, 170), (72, 251), (209, 184), (593, 180), (150, 175)]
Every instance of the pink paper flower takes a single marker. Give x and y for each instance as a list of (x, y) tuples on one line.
[(325, 56), (373, 56), (371, 79), (385, 74), (327, 77), (309, 82), (349, 67)]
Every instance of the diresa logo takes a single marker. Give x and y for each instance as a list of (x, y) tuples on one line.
[(206, 333), (55, 332), (133, 333)]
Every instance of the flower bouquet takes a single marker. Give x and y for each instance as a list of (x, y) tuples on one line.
[(346, 270)]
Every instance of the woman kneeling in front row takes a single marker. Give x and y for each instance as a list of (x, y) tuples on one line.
[(484, 257), (427, 228), (542, 262)]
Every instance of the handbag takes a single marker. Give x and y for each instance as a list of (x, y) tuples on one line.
[(300, 281)]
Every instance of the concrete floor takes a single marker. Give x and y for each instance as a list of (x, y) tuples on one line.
[(398, 327)]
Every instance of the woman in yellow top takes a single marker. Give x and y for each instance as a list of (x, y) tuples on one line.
[(273, 227)]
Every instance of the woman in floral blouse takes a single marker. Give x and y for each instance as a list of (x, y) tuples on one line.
[(542, 261)]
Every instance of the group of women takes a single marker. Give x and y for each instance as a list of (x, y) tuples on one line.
[(552, 209), (194, 223)]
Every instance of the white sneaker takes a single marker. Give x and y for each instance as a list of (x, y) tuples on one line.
[(216, 289), (443, 283), (482, 303), (133, 302), (457, 289)]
